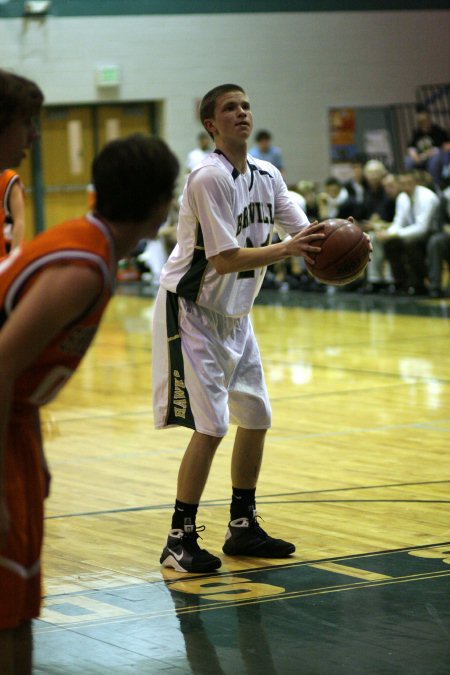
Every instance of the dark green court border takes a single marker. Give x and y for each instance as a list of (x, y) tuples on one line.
[(60, 8), (349, 301), (353, 301)]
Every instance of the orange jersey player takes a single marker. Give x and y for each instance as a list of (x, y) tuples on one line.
[(53, 292), (12, 211), (20, 104)]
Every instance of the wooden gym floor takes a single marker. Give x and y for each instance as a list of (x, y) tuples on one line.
[(356, 473)]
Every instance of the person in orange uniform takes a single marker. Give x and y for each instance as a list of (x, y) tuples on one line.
[(12, 211), (20, 104), (53, 292)]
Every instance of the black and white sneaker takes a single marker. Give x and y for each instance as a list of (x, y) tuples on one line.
[(183, 553), (245, 537)]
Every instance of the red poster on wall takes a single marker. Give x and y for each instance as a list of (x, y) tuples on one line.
[(342, 123)]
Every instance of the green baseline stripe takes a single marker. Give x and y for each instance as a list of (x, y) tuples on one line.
[(14, 8)]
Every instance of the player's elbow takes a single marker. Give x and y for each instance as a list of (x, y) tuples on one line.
[(224, 262), (220, 266)]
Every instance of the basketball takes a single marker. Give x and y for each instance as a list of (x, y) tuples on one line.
[(344, 255)]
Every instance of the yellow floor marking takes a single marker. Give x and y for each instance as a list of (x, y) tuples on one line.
[(350, 571)]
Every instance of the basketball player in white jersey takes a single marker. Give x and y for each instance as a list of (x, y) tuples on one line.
[(207, 368)]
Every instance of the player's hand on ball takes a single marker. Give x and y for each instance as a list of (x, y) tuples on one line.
[(344, 253), (307, 241), (367, 236)]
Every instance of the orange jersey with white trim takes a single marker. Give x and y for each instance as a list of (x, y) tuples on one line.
[(7, 179), (82, 241)]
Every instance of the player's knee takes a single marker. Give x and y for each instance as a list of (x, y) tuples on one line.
[(256, 414)]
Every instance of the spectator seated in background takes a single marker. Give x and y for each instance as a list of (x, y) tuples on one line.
[(331, 200), (391, 186), (285, 274), (404, 241), (153, 253), (429, 147), (308, 190), (377, 205), (424, 178), (265, 150), (356, 188), (198, 154), (438, 249), (379, 276)]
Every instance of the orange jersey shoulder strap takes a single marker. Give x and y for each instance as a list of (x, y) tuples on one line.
[(85, 240), (8, 178)]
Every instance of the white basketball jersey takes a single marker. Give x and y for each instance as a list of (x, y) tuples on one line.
[(222, 209)]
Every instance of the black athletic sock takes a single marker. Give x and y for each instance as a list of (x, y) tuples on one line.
[(184, 516), (242, 503)]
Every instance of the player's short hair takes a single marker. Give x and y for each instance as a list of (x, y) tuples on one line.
[(19, 98), (263, 135), (208, 102), (132, 176)]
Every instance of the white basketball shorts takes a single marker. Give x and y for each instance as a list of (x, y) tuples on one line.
[(207, 369)]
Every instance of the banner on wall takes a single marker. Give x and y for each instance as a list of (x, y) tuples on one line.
[(377, 143), (342, 124)]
